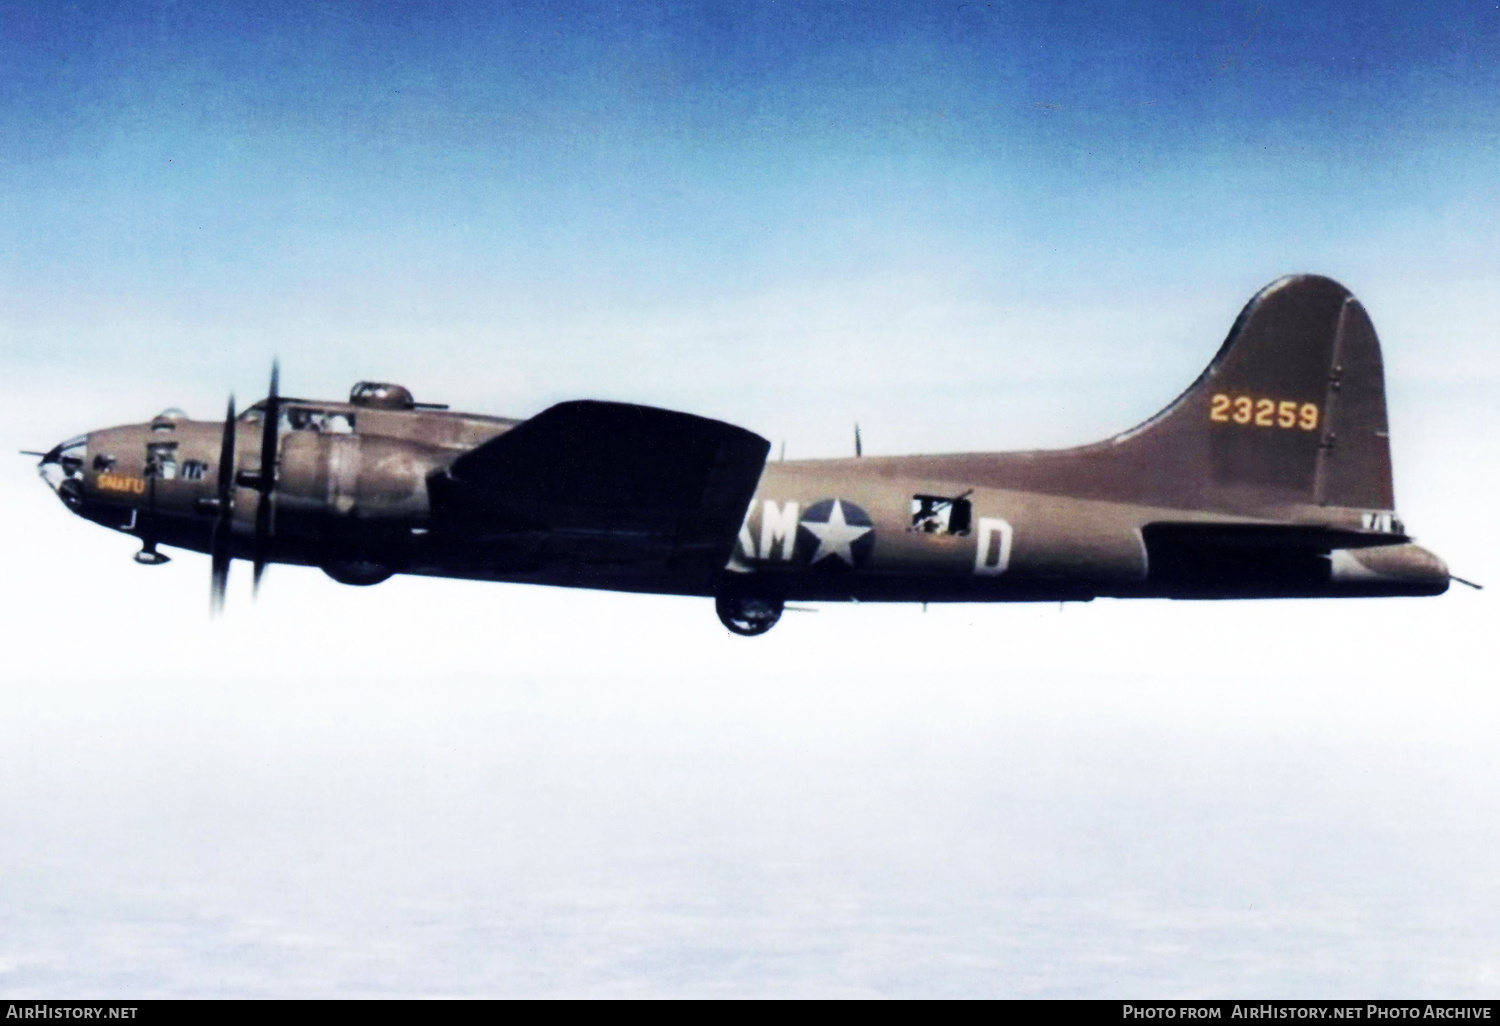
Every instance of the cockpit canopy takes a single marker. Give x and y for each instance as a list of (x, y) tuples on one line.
[(382, 395)]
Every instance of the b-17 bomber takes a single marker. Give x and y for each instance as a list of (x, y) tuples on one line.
[(1270, 477)]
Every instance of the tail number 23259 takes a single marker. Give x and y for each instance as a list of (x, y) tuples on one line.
[(1244, 409)]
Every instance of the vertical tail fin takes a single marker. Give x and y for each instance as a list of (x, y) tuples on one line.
[(1290, 411), (1293, 405)]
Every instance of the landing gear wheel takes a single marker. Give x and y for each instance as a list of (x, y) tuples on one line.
[(748, 615), (148, 556)]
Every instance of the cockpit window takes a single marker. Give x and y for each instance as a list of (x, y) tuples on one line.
[(326, 422), (161, 460), (305, 418)]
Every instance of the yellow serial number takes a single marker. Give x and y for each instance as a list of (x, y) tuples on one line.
[(120, 483), (1245, 409)]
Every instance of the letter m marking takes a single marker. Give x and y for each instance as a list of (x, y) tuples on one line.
[(778, 527)]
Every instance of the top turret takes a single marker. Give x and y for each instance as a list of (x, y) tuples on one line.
[(382, 396)]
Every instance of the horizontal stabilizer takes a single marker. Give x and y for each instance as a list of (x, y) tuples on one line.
[(1305, 537), (1207, 560)]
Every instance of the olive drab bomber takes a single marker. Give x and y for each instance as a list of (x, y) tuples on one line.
[(1269, 477)]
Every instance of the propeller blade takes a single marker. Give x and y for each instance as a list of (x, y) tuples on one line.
[(226, 456), (219, 579), (266, 479), (219, 542)]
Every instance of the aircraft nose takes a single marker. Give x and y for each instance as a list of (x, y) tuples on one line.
[(62, 468)]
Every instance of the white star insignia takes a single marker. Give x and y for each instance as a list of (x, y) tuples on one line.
[(835, 537)]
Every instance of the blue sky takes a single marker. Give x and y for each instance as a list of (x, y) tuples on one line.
[(965, 225), (201, 147), (422, 189)]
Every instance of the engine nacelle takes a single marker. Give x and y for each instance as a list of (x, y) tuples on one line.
[(353, 504), (352, 476), (358, 572)]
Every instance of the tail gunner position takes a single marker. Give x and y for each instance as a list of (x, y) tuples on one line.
[(1270, 477)]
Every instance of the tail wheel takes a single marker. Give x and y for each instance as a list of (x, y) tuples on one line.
[(748, 615)]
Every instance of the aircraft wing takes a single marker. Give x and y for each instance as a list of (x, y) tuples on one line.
[(593, 482)]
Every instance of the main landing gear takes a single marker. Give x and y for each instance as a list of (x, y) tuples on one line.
[(748, 615), (148, 556)]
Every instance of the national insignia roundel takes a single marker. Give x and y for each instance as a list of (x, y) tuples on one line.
[(835, 534)]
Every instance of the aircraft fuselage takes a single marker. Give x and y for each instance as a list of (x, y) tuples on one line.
[(352, 497), (1269, 477)]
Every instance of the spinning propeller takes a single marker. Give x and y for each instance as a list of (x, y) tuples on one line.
[(266, 478), (218, 546), (262, 479)]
